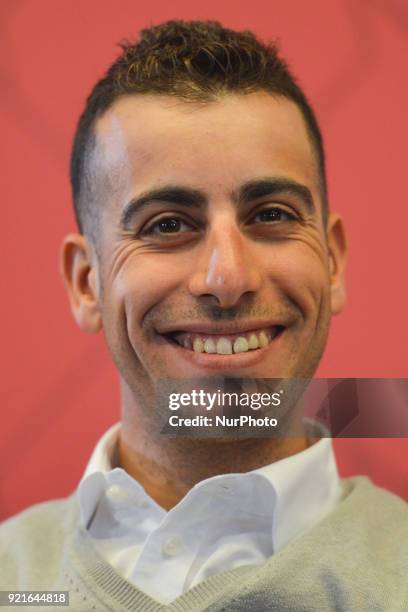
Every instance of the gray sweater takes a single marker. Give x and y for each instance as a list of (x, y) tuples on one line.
[(355, 559)]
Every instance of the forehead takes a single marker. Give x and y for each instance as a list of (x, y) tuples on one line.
[(144, 141)]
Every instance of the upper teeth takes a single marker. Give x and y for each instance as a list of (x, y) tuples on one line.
[(226, 346), (209, 346)]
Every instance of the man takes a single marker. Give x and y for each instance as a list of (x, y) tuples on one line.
[(206, 249)]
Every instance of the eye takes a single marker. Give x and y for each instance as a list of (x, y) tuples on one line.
[(167, 225), (273, 215)]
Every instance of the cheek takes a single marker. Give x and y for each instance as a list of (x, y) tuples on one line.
[(142, 283), (302, 276)]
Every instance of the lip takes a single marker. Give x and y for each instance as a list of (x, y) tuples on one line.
[(215, 362)]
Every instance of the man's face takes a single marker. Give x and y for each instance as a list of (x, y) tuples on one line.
[(212, 241)]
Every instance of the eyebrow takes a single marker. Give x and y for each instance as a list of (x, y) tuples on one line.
[(193, 198), (253, 190), (171, 194)]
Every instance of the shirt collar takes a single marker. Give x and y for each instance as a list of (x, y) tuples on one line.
[(305, 485), (104, 456)]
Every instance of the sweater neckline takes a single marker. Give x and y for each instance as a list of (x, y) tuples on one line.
[(119, 594), (129, 597)]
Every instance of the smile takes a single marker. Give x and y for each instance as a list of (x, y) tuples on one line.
[(225, 344)]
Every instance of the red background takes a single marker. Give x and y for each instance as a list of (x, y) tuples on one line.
[(59, 390)]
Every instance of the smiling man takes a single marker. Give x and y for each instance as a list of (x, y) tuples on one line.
[(206, 249)]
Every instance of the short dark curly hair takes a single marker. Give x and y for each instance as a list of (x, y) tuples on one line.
[(193, 61)]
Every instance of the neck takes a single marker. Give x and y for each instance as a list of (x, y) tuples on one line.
[(167, 471), (168, 467)]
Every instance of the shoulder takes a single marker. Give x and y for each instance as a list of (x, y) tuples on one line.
[(375, 503), (31, 523), (369, 535), (368, 528), (34, 538), (374, 520)]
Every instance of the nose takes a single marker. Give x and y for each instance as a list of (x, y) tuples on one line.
[(226, 268)]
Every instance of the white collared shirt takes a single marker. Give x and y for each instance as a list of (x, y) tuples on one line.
[(223, 522)]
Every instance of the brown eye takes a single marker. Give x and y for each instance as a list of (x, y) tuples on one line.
[(270, 215), (168, 225)]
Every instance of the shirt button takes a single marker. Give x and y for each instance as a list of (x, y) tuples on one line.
[(172, 546), (118, 494)]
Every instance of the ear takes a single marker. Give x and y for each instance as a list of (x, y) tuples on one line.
[(79, 271), (338, 250)]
